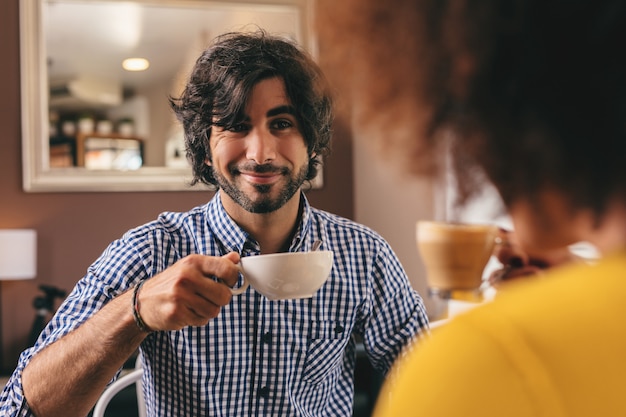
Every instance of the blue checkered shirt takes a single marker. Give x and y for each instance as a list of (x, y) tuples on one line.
[(258, 357)]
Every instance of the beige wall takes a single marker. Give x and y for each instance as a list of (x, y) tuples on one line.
[(73, 228), (391, 204)]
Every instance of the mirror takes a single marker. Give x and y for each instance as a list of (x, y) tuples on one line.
[(88, 124)]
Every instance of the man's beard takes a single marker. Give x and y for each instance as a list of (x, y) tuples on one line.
[(264, 204)]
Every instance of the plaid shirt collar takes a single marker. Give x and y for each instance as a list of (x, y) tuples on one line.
[(234, 239)]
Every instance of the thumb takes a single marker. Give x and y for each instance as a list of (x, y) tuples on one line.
[(233, 257)]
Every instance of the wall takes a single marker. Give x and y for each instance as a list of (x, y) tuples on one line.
[(391, 203), (73, 228)]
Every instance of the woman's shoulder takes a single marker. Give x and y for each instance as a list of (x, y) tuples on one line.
[(535, 346)]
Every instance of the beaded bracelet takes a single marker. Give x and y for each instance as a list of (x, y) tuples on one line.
[(138, 320)]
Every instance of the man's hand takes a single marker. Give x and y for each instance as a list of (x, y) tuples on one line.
[(186, 294)]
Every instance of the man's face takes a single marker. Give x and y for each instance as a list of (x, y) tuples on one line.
[(262, 162)]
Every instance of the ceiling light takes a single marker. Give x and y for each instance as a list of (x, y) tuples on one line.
[(135, 64)]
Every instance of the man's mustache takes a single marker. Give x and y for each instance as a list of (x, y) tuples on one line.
[(258, 169)]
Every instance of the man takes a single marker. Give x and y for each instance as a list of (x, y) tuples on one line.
[(256, 114)]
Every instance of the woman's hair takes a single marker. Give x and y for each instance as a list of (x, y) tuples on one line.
[(222, 80), (532, 92)]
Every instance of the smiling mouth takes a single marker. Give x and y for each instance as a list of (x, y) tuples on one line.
[(260, 174), (256, 178)]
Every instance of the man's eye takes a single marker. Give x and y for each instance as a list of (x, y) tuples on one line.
[(281, 124), (241, 127)]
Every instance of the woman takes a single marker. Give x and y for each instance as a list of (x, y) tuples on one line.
[(533, 93)]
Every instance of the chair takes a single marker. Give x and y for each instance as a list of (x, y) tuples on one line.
[(133, 377)]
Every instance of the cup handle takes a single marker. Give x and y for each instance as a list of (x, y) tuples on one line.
[(244, 286)]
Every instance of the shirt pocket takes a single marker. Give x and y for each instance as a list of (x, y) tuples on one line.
[(325, 348)]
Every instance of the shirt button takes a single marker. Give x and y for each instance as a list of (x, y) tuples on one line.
[(264, 392), (267, 337), (338, 329)]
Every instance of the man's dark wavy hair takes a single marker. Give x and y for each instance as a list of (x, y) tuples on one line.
[(222, 80)]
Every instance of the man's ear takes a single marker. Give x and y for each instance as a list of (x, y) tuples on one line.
[(207, 162)]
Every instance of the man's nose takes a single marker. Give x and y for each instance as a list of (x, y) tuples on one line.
[(261, 146)]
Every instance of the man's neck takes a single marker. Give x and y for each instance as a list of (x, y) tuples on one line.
[(273, 231)]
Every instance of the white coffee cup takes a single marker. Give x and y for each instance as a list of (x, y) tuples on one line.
[(286, 275)]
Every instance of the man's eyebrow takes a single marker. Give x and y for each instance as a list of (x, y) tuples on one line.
[(281, 110)]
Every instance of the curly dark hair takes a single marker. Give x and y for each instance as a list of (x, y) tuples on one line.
[(222, 80), (534, 92)]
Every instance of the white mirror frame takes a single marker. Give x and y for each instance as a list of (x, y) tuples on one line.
[(37, 175)]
